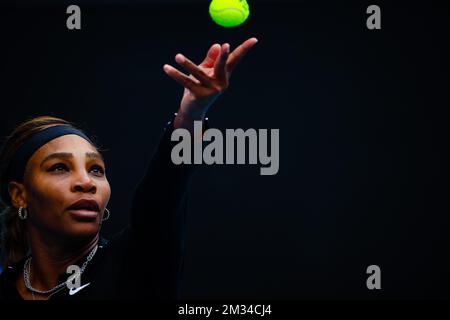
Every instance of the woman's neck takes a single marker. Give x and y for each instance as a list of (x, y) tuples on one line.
[(50, 259)]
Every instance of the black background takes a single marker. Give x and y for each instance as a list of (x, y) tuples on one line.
[(363, 131)]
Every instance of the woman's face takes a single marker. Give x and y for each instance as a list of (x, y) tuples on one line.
[(66, 188)]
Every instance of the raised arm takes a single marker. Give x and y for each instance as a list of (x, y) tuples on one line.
[(159, 206)]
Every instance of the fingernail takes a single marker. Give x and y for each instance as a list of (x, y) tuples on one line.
[(166, 68), (179, 58)]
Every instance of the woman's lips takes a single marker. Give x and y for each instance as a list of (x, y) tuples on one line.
[(84, 213), (84, 208)]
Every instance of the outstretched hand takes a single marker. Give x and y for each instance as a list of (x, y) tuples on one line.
[(208, 79)]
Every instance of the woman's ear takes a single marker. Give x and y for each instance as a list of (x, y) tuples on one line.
[(17, 194)]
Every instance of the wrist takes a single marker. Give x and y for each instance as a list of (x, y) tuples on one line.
[(186, 120), (191, 115)]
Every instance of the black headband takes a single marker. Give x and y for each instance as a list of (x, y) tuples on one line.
[(30, 146)]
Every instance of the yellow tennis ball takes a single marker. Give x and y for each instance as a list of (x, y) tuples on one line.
[(229, 13)]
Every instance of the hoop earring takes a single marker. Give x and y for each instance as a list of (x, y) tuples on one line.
[(22, 213), (108, 215)]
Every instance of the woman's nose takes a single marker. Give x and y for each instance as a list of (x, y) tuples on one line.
[(84, 183)]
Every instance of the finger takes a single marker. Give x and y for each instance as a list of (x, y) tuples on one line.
[(211, 56), (239, 53), (192, 68), (180, 77), (221, 61)]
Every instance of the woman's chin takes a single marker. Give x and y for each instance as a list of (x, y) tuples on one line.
[(83, 229)]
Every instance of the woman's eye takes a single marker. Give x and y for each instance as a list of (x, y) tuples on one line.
[(97, 170), (58, 167)]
